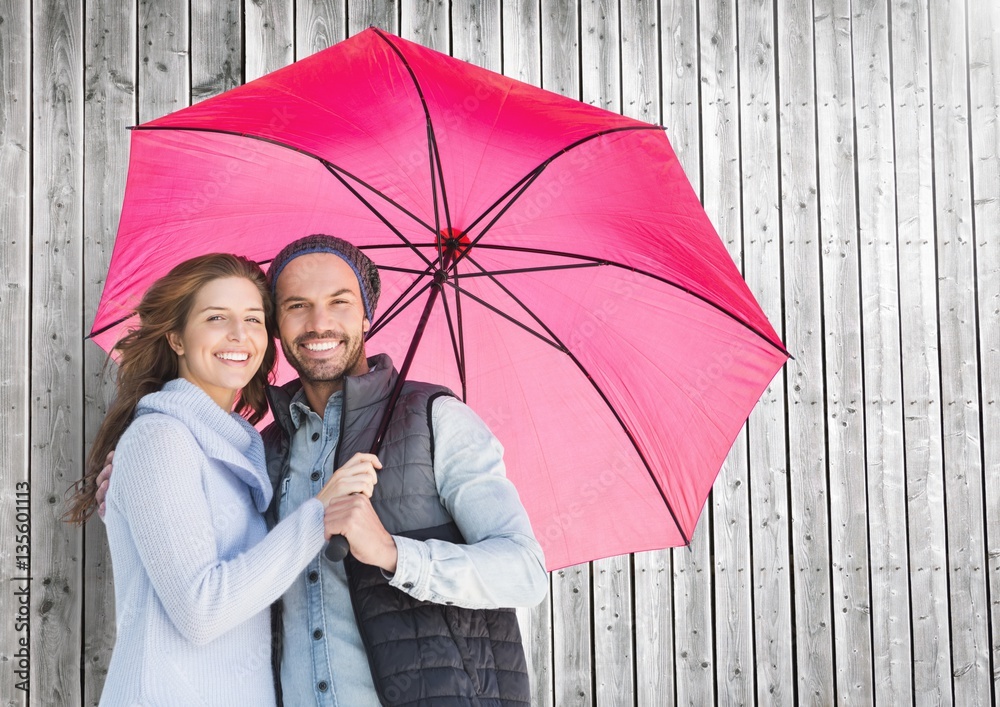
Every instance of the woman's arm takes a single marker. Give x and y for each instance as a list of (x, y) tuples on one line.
[(158, 491)]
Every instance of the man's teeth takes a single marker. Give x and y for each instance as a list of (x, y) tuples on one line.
[(232, 356), (321, 345)]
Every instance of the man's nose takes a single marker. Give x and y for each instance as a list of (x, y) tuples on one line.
[(319, 319)]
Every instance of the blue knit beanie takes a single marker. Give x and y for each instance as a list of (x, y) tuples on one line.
[(368, 278)]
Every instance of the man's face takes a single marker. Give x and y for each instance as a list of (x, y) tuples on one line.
[(321, 318)]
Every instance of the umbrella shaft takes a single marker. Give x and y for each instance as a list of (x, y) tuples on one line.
[(408, 359)]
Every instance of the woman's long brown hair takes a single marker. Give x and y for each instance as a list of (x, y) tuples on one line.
[(146, 360)]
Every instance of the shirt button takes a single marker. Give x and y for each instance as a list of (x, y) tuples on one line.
[(315, 436), (314, 576), (314, 475), (322, 686), (317, 634), (407, 585)]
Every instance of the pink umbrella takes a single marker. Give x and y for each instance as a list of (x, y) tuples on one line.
[(574, 291)]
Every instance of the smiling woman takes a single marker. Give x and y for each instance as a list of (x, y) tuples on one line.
[(195, 569), (225, 339)]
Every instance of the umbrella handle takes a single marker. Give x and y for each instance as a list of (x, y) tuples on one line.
[(337, 548)]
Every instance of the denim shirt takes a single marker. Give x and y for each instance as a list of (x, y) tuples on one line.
[(501, 566)]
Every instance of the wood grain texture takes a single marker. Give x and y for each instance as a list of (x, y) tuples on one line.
[(318, 25), (56, 347), (164, 57), (270, 37), (842, 337), (769, 524), (362, 14), (15, 307), (883, 392), (721, 196), (931, 658), (475, 32), (109, 108), (891, 310), (960, 407), (984, 103), (807, 460), (216, 47), (426, 23), (521, 39)]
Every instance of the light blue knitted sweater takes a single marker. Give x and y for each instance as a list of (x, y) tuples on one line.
[(195, 569)]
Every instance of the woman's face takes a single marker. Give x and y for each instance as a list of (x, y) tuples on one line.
[(224, 339)]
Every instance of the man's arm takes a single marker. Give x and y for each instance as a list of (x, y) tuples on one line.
[(502, 564)]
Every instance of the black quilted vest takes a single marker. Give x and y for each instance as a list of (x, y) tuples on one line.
[(421, 654)]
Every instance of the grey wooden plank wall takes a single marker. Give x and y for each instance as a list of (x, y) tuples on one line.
[(847, 151)]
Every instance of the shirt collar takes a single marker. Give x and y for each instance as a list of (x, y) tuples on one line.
[(299, 408)]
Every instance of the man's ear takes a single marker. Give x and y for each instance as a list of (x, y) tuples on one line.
[(174, 339), (366, 326)]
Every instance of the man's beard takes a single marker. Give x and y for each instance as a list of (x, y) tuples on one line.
[(350, 355)]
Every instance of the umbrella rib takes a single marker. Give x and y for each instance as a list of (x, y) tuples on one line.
[(557, 343), (659, 278), (545, 163), (389, 200), (520, 271), (501, 313), (431, 137), (375, 211), (390, 315), (277, 143), (455, 345)]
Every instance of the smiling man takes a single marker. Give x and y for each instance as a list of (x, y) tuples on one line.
[(415, 614)]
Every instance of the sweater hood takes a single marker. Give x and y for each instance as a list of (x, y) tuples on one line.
[(224, 437)]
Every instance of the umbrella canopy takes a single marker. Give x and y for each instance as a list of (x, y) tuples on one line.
[(588, 311)]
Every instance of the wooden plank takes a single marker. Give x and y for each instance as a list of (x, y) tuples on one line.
[(984, 101), (475, 34), (572, 660), (842, 333), (521, 59), (56, 347), (109, 108), (653, 571), (766, 427), (270, 36), (163, 57), (427, 23), (883, 390), (614, 653), (694, 666), (931, 657), (216, 47), (362, 14), (318, 25), (807, 463), (721, 195), (970, 653), (522, 41), (15, 292)]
